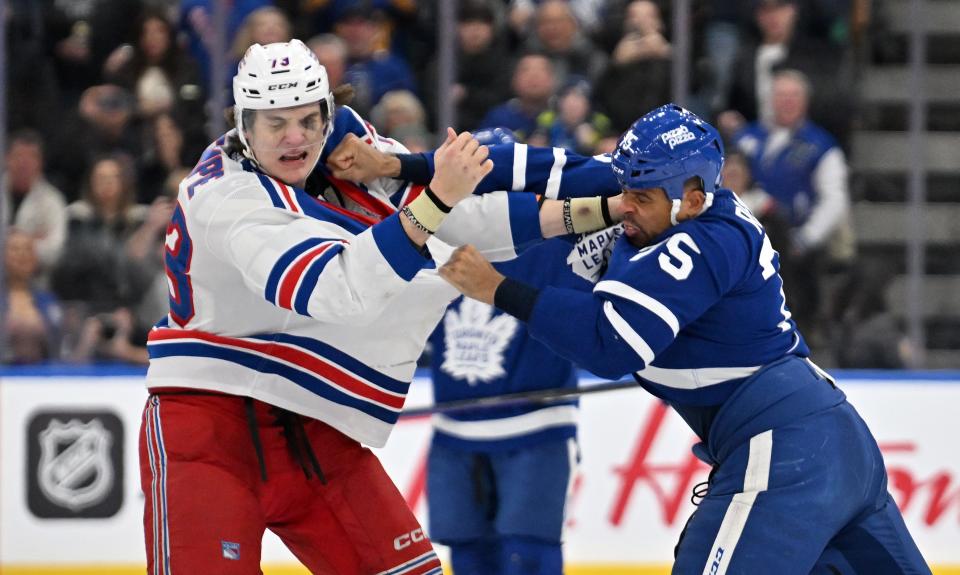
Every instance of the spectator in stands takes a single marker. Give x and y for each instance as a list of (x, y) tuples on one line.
[(166, 152), (93, 268), (638, 77), (103, 124), (30, 202), (371, 69), (782, 47), (263, 26), (331, 52), (723, 30), (145, 252), (522, 14), (558, 36), (30, 315), (831, 20), (401, 116), (107, 337), (802, 167), (95, 277), (157, 72), (868, 335), (533, 86), (483, 65), (80, 35), (574, 125), (69, 37), (394, 17), (31, 85), (196, 21)]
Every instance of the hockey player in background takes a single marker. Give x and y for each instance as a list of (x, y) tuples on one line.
[(691, 303), (299, 304), (498, 479)]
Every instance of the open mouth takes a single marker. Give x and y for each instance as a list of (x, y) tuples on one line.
[(634, 234), (294, 156)]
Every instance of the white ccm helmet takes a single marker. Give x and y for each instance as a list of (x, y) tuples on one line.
[(281, 75)]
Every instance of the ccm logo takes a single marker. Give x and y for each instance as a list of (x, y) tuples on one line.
[(273, 87), (408, 539), (715, 566)]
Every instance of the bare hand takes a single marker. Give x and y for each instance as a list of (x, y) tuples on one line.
[(117, 59), (359, 162), (634, 47), (461, 162), (472, 275)]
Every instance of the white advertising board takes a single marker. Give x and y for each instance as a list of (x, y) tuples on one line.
[(630, 502)]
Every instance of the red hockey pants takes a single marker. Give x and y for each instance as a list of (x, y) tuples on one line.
[(219, 469)]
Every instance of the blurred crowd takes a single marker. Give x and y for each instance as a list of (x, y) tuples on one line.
[(108, 111)]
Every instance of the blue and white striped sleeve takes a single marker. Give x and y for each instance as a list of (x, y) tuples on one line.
[(553, 172)]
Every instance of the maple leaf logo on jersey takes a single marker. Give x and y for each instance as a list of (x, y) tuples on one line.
[(592, 251), (476, 341)]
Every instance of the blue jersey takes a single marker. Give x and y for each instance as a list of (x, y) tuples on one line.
[(551, 172), (787, 174), (692, 315), (480, 351)]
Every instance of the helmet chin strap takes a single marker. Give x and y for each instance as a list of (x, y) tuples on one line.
[(676, 204), (674, 210)]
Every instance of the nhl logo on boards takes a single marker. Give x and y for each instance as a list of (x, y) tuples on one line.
[(677, 136), (75, 464)]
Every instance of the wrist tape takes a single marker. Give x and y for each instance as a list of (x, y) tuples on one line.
[(427, 211), (586, 214)]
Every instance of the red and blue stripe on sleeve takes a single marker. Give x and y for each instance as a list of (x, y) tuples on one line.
[(293, 277)]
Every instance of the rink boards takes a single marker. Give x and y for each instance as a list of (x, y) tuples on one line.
[(629, 504)]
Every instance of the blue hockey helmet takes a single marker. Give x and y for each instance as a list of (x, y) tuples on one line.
[(491, 136), (665, 148)]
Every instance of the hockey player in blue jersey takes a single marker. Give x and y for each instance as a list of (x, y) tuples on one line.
[(498, 478), (692, 304)]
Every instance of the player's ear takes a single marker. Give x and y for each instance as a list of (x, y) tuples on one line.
[(692, 203)]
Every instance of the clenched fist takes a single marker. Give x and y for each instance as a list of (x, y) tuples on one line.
[(472, 275), (460, 163), (359, 162)]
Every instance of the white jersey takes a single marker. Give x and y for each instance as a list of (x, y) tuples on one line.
[(306, 305)]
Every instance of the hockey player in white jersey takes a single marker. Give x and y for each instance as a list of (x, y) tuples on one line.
[(294, 328)]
